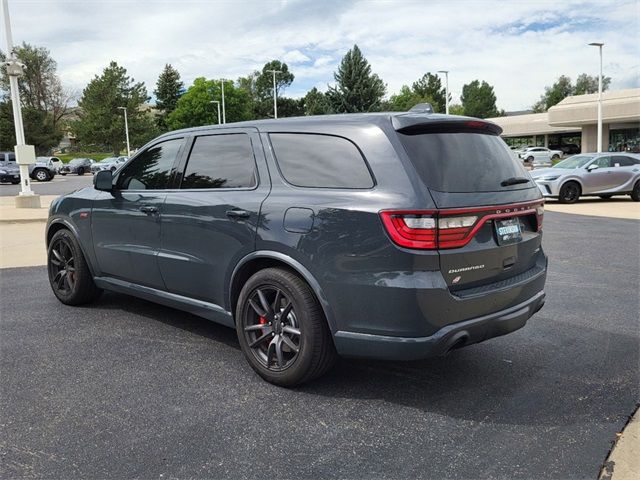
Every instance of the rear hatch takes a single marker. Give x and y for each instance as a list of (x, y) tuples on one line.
[(488, 222)]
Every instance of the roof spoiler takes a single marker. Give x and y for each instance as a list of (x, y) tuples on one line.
[(420, 119)]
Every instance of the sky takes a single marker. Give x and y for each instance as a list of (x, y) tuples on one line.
[(519, 47)]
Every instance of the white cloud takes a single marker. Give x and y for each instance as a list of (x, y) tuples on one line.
[(519, 48)]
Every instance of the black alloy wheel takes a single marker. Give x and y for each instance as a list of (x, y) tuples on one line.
[(271, 328), (62, 266), (569, 193)]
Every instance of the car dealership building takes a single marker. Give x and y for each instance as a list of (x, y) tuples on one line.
[(574, 121)]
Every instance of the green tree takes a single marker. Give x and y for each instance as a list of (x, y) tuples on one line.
[(43, 99), (589, 84), (167, 92), (357, 89), (315, 103), (101, 122), (429, 86), (456, 109), (479, 100), (259, 88), (194, 108), (407, 99), (563, 88)]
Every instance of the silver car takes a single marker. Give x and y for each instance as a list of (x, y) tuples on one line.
[(598, 174), (109, 163)]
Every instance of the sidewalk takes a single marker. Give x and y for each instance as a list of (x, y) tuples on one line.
[(624, 461), (10, 214)]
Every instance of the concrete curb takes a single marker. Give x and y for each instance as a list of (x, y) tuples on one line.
[(22, 220), (623, 462)]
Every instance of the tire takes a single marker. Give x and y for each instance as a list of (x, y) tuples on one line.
[(555, 157), (270, 349), (76, 286), (13, 182), (529, 159), (41, 175), (80, 171), (63, 174), (605, 197), (569, 192), (635, 194)]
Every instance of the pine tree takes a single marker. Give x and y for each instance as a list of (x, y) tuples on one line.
[(479, 100), (168, 90), (357, 89)]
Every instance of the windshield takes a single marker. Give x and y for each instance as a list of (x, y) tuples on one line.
[(109, 160), (576, 161), (76, 161)]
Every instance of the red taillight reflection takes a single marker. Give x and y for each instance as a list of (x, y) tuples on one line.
[(449, 228)]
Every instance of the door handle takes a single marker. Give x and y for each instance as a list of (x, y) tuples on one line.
[(149, 210), (238, 214)]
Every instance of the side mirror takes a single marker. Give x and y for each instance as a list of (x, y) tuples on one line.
[(592, 167), (103, 181)]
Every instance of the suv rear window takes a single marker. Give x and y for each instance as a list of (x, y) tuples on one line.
[(463, 161), (320, 161)]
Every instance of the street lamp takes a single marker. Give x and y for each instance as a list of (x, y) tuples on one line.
[(126, 129), (218, 103), (446, 89), (224, 115), (599, 45), (25, 154), (275, 102)]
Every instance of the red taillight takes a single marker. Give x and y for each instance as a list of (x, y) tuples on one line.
[(411, 229), (449, 228)]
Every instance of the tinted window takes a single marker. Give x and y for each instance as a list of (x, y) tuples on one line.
[(463, 162), (12, 157), (623, 161), (307, 160), (152, 168), (220, 161)]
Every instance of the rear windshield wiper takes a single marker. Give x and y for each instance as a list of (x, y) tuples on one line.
[(514, 181)]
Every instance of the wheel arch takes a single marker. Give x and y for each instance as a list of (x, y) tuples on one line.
[(571, 179), (58, 224), (259, 260)]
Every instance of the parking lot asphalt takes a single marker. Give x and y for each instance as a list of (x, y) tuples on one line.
[(58, 186), (125, 388)]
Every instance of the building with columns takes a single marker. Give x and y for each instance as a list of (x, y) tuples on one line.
[(574, 121)]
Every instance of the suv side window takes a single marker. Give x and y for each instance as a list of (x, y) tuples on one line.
[(623, 161), (603, 162), (151, 169), (320, 161), (220, 161)]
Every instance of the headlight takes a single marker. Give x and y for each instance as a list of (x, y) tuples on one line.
[(549, 178)]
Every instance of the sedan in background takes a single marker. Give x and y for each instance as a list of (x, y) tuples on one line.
[(109, 163), (54, 162), (542, 154), (598, 174), (10, 173), (78, 166)]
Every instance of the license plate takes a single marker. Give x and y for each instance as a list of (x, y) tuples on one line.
[(508, 231)]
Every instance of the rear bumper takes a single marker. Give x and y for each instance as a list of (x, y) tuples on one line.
[(455, 335), (10, 177)]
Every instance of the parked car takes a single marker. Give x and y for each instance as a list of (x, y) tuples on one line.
[(364, 235), (10, 173), (55, 162), (566, 148), (530, 154), (78, 166), (594, 174), (109, 163), (42, 171)]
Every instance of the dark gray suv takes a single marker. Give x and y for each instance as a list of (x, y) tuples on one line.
[(389, 235)]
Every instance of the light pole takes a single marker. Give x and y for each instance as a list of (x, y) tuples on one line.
[(126, 129), (446, 89), (218, 103), (224, 113), (25, 154), (599, 45), (275, 101)]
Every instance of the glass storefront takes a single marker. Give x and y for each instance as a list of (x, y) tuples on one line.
[(624, 140)]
